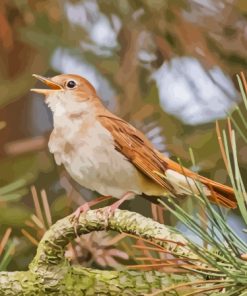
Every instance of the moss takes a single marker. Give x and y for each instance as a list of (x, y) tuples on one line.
[(51, 274)]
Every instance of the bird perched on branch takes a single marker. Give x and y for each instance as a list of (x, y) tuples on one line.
[(104, 153)]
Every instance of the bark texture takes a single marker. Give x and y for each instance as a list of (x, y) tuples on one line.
[(51, 274)]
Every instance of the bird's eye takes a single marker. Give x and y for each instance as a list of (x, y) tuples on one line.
[(71, 84)]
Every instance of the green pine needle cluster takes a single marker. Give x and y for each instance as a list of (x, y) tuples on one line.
[(224, 257)]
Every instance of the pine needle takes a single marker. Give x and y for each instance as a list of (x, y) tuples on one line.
[(5, 239)]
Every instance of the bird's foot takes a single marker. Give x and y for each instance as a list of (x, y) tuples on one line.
[(81, 209), (76, 215), (84, 209), (109, 211)]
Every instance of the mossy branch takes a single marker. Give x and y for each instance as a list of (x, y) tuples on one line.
[(51, 274)]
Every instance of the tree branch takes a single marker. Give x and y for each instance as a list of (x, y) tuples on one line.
[(51, 274)]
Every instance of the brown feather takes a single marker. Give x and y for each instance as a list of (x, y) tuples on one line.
[(139, 150), (221, 194)]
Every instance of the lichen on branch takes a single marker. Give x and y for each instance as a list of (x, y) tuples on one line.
[(50, 273)]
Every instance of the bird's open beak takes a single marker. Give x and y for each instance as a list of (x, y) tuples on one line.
[(53, 85)]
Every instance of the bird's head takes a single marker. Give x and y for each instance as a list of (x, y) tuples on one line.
[(67, 93)]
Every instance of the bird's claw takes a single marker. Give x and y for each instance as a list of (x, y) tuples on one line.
[(108, 212), (76, 215)]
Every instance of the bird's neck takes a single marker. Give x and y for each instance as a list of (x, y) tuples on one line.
[(70, 119)]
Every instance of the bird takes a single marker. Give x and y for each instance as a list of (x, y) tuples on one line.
[(106, 154)]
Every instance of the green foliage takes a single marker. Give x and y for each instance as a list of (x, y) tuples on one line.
[(225, 254), (13, 191)]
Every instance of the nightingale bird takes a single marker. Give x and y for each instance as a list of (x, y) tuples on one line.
[(104, 153)]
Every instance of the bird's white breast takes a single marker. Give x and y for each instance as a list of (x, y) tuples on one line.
[(87, 151)]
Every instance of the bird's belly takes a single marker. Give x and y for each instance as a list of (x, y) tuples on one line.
[(94, 163), (104, 170)]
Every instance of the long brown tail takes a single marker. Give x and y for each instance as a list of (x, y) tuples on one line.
[(218, 193)]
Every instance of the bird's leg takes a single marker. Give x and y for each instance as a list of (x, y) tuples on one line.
[(111, 209), (86, 206)]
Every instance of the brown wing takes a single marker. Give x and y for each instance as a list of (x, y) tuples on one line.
[(136, 148)]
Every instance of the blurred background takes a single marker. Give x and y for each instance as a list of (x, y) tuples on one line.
[(168, 67)]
